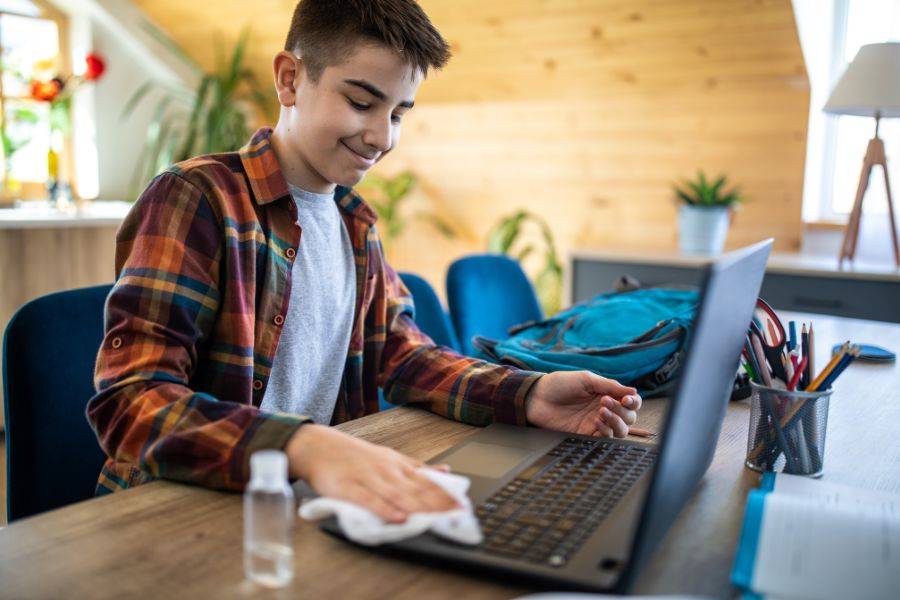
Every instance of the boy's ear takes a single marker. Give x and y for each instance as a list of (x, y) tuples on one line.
[(288, 71)]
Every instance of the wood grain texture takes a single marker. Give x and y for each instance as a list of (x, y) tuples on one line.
[(35, 262), (172, 540), (584, 112)]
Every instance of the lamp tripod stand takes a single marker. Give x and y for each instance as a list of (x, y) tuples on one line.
[(875, 155)]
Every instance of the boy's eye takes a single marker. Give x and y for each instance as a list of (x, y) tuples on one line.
[(396, 118), (357, 105)]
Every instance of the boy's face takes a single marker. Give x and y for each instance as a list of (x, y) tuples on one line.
[(336, 129)]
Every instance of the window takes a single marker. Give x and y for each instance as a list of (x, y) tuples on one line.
[(831, 34), (29, 48)]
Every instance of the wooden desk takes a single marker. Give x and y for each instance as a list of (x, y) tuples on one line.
[(170, 540)]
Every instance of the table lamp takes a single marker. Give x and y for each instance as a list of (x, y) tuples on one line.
[(870, 87)]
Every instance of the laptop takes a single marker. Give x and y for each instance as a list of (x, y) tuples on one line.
[(578, 512)]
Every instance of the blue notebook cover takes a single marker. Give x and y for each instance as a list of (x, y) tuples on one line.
[(745, 561)]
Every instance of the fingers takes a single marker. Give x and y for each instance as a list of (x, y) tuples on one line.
[(602, 385), (405, 490), (601, 429), (367, 499), (633, 402), (616, 406), (431, 497), (620, 429)]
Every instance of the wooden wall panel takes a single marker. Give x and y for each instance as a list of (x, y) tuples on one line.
[(35, 262), (584, 111)]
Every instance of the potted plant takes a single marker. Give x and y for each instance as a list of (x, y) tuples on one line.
[(704, 214), (548, 282), (213, 118)]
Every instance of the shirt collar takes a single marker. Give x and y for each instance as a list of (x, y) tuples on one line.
[(268, 184)]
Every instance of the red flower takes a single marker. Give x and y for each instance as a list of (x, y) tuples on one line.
[(45, 91), (95, 67)]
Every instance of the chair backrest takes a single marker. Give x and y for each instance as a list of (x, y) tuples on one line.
[(487, 294), (49, 350), (430, 314)]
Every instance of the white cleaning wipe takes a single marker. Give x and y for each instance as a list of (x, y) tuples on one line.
[(364, 527)]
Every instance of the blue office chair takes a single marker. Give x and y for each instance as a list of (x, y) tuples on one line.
[(430, 315), (488, 294), (49, 350)]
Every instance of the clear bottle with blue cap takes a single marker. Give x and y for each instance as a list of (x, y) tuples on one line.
[(269, 514)]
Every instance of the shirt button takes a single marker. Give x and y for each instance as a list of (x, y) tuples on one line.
[(290, 253), (116, 343), (279, 320), (257, 384)]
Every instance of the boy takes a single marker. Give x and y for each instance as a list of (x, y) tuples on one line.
[(252, 289)]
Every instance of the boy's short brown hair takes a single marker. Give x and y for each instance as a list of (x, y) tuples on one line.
[(324, 32)]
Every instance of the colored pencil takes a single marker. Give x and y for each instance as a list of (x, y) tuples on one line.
[(788, 367), (812, 387), (761, 359), (841, 366), (798, 372), (751, 358)]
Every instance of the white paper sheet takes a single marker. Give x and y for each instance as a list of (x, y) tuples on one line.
[(827, 541)]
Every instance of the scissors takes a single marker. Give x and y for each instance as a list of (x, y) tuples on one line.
[(768, 328)]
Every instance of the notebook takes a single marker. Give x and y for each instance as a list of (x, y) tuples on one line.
[(806, 538)]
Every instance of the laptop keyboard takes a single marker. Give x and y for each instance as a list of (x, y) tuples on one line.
[(547, 512)]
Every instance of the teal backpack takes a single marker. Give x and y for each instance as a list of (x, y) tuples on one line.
[(636, 337)]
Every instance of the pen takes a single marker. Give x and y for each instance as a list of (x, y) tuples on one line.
[(792, 335), (804, 349)]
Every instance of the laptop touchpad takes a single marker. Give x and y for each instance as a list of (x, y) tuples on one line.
[(486, 460)]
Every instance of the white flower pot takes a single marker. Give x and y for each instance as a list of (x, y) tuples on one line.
[(702, 230)]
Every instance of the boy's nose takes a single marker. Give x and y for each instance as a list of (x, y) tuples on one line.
[(378, 137)]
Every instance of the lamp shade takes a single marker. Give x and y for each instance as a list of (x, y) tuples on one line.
[(870, 85)]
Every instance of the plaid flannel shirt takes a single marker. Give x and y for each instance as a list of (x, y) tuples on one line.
[(203, 266)]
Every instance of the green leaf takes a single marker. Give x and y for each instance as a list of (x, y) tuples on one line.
[(443, 227), (400, 185)]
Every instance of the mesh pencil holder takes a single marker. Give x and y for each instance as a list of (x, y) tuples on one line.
[(787, 430)]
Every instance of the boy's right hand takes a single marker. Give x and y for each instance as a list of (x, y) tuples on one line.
[(378, 478)]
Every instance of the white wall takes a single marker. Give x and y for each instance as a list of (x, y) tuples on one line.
[(119, 141), (108, 147)]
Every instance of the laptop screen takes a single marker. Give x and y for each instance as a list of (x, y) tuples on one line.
[(694, 415)]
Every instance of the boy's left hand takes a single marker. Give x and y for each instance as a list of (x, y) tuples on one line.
[(582, 402)]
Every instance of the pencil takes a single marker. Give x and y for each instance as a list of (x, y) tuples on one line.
[(811, 343), (761, 359), (804, 349), (749, 370), (812, 387), (797, 373), (638, 432), (836, 372), (751, 358)]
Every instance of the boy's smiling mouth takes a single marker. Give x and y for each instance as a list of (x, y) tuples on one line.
[(361, 158)]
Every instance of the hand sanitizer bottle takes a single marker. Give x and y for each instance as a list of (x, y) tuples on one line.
[(268, 520)]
